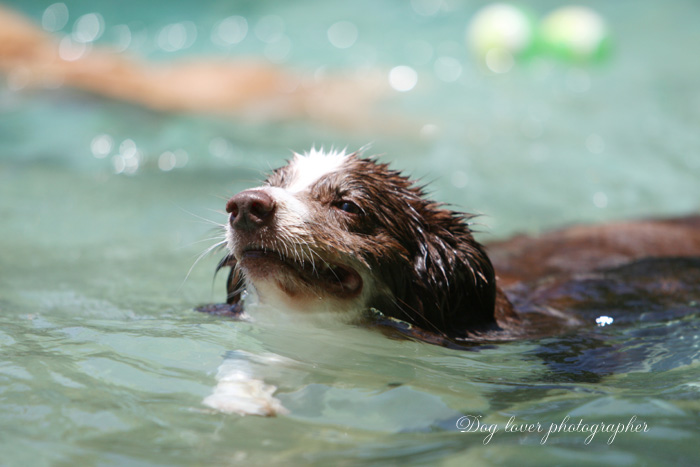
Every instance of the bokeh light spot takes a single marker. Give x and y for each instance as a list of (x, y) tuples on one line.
[(166, 161), (69, 50), (575, 31), (604, 320), (502, 27), (429, 131), (88, 28), (600, 199), (177, 36), (122, 37), (499, 60), (101, 146), (128, 148), (181, 158), (269, 28), (55, 17), (403, 78), (230, 31), (342, 34)]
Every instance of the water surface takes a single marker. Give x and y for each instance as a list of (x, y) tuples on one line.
[(105, 362)]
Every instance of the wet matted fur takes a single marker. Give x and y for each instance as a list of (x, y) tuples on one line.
[(343, 232)]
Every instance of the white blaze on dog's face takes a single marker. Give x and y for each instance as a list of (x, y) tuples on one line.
[(287, 237)]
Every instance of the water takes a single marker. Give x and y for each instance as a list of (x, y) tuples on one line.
[(104, 361)]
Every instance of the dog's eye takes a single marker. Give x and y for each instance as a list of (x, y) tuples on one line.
[(348, 206)]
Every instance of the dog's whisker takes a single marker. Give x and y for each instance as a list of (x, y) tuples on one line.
[(204, 219), (202, 255)]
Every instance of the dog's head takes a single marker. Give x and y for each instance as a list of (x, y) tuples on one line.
[(341, 232)]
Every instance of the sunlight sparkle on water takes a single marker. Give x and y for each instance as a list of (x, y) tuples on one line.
[(230, 31), (403, 78), (69, 50), (128, 148), (166, 161), (55, 17), (429, 131), (220, 147), (604, 320), (129, 158), (600, 200), (101, 146), (118, 163), (342, 34), (181, 158), (122, 37), (269, 28), (170, 160), (177, 36), (88, 28)]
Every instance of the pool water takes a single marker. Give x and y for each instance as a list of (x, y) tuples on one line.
[(105, 362)]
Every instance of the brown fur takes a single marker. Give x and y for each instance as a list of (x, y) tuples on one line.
[(440, 278), (429, 271)]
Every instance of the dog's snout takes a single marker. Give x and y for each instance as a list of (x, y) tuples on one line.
[(250, 209)]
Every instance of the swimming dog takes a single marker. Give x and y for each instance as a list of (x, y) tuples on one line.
[(342, 232)]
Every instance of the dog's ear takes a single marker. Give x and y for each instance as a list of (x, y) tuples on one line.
[(234, 284), (455, 286), (449, 285), (470, 298)]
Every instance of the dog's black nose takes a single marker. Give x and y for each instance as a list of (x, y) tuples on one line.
[(250, 209)]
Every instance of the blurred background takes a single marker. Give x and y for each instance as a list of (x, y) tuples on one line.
[(536, 114), (124, 127)]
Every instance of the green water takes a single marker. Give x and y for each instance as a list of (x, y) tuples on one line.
[(104, 361)]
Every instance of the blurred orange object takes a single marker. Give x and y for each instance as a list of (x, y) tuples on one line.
[(31, 57)]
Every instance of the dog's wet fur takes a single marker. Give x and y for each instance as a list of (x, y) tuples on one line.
[(341, 232)]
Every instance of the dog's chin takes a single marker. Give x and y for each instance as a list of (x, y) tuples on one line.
[(299, 282)]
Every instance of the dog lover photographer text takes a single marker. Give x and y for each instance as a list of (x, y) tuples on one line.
[(474, 424)]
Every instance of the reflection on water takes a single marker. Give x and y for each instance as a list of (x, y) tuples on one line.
[(102, 202)]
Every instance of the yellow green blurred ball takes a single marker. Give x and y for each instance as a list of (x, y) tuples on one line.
[(574, 33), (501, 31)]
